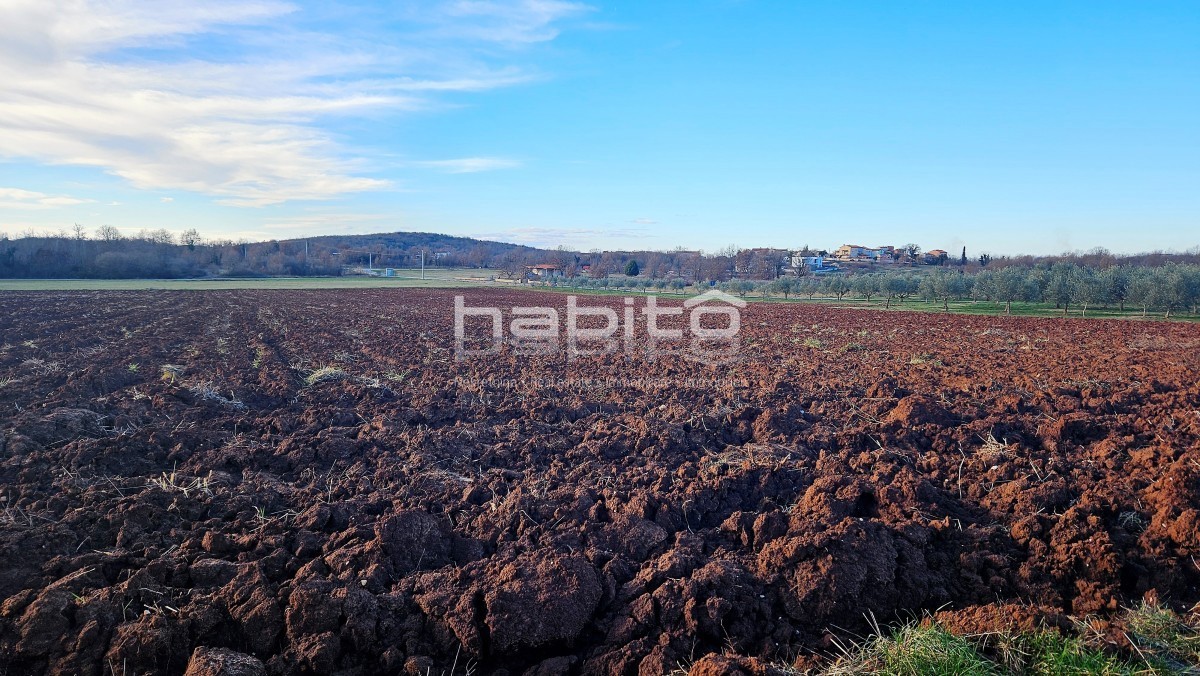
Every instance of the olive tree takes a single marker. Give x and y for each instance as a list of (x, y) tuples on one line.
[(783, 286), (1115, 280), (1191, 286), (985, 286), (865, 286), (1009, 284), (1085, 288), (1140, 289), (941, 285), (837, 285), (896, 287), (1059, 285)]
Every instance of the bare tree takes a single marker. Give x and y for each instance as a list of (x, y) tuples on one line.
[(108, 233), (159, 236), (189, 238)]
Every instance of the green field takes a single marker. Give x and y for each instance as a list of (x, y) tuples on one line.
[(434, 278), (970, 307), (984, 307)]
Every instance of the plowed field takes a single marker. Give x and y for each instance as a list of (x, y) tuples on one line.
[(311, 478)]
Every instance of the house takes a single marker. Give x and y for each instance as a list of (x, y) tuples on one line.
[(810, 262), (543, 270), (850, 252), (855, 252), (936, 256)]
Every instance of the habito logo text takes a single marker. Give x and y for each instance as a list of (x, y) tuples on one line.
[(703, 328)]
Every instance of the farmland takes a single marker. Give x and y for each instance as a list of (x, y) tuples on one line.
[(311, 478)]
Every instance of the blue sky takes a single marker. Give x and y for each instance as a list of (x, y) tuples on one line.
[(1003, 127)]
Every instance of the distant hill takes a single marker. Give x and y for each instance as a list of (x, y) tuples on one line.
[(402, 249)]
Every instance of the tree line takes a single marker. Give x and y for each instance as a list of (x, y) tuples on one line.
[(154, 254), (1165, 289)]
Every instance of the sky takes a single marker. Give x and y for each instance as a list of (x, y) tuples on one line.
[(1013, 127)]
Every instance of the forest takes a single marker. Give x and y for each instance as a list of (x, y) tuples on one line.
[(160, 254)]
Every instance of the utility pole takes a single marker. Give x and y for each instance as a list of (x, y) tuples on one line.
[(422, 264)]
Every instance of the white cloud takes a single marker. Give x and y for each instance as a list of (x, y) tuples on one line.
[(16, 198), (470, 165), (166, 200), (229, 98)]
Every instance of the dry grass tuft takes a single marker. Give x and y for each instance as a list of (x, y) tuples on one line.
[(206, 391), (178, 483), (323, 375), (171, 372)]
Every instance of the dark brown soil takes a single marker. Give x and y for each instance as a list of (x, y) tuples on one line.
[(414, 514)]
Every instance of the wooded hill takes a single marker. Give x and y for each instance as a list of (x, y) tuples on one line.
[(160, 254)]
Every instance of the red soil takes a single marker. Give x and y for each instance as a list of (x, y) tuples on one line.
[(411, 517)]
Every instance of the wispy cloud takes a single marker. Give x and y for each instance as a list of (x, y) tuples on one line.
[(16, 198), (576, 238), (316, 221), (229, 98), (469, 165), (645, 221), (524, 21)]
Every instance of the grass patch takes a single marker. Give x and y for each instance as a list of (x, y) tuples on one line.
[(1160, 642), (968, 307), (914, 650), (1162, 635), (1049, 652), (853, 347)]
